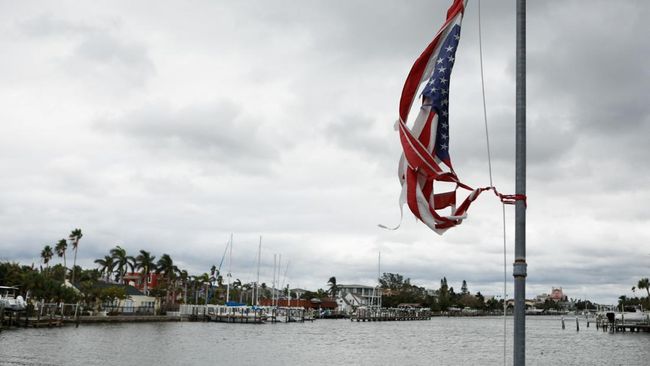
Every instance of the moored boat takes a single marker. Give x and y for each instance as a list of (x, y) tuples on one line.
[(9, 300)]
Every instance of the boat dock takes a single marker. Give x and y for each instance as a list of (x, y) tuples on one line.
[(622, 326), (222, 314), (390, 314), (626, 322)]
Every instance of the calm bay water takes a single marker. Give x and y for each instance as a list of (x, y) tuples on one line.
[(440, 341)]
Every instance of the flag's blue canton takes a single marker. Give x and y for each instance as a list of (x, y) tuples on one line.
[(436, 92)]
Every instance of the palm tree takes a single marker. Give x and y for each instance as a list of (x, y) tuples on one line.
[(333, 287), (246, 288), (166, 266), (644, 283), (47, 255), (236, 286), (204, 280), (122, 261), (192, 282), (264, 291), (60, 248), (106, 266), (75, 236), (214, 274), (145, 263), (184, 277)]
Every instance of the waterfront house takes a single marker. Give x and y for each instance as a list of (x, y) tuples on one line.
[(134, 302), (366, 295), (350, 297), (136, 280)]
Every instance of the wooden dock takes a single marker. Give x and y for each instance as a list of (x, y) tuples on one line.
[(390, 314), (223, 314), (622, 326), (20, 319)]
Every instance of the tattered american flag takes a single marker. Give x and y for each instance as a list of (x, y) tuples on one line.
[(426, 159)]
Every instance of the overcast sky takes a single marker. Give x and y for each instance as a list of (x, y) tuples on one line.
[(168, 125)]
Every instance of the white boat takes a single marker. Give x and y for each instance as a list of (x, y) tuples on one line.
[(633, 315), (629, 315), (9, 300)]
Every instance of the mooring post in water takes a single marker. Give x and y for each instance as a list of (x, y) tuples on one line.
[(562, 318), (577, 324), (519, 267), (76, 315)]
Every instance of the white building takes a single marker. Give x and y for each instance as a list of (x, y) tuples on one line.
[(349, 297)]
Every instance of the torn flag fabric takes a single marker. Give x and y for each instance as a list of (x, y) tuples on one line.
[(425, 159)]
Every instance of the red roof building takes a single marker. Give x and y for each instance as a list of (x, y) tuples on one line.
[(135, 279)]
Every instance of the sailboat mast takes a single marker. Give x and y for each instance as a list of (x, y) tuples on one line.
[(257, 283), (275, 263), (229, 270), (519, 266), (378, 278), (277, 294)]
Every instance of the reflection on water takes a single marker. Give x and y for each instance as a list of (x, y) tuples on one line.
[(440, 341)]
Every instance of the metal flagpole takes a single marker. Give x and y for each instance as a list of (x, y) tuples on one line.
[(519, 266)]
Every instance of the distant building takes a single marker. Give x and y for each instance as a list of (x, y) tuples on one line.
[(558, 295), (135, 301), (541, 298), (366, 293), (349, 297), (135, 279)]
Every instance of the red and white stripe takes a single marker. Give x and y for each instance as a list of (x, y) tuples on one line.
[(419, 168)]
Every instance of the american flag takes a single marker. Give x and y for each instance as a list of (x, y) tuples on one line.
[(426, 157)]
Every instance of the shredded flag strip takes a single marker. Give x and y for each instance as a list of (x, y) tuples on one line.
[(425, 159)]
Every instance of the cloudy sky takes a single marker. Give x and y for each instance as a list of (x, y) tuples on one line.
[(169, 125)]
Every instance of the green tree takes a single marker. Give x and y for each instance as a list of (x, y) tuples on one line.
[(46, 255), (444, 295), (145, 263), (60, 249), (644, 283), (169, 271), (334, 289), (203, 281), (106, 266), (184, 277), (113, 294), (214, 274), (394, 282), (246, 290), (75, 236), (463, 288), (265, 293), (236, 286), (122, 261)]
